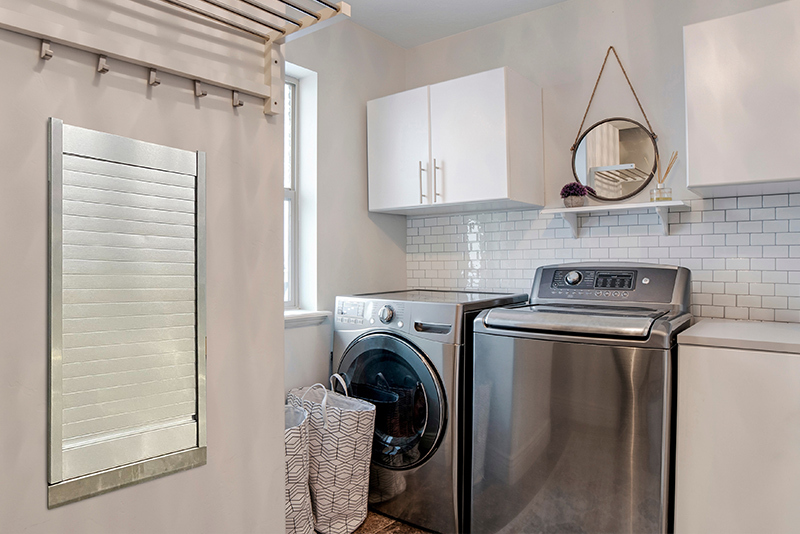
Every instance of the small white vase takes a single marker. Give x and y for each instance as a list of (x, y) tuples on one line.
[(574, 201)]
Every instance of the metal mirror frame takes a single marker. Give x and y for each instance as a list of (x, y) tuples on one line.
[(652, 171)]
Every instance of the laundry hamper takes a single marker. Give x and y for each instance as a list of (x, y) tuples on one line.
[(340, 446), (299, 518)]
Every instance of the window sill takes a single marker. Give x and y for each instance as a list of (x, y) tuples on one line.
[(301, 318)]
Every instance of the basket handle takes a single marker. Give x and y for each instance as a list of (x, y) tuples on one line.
[(324, 403), (338, 377)]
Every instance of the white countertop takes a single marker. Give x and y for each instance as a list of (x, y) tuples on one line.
[(746, 335)]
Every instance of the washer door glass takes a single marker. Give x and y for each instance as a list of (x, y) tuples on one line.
[(408, 395)]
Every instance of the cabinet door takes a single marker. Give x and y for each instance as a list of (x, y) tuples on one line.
[(743, 102), (468, 138), (398, 145), (738, 441)]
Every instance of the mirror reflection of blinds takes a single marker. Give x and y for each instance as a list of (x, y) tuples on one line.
[(129, 374)]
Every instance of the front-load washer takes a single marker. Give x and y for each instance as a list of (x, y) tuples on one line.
[(405, 351)]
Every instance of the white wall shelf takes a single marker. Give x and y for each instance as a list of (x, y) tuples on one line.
[(570, 215)]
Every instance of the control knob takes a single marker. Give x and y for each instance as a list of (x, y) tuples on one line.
[(573, 278), (386, 314)]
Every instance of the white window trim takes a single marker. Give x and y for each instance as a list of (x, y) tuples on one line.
[(306, 193), (290, 194), (301, 318)]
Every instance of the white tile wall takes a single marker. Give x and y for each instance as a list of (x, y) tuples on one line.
[(744, 253)]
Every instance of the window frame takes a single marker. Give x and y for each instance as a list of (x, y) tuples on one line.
[(290, 195)]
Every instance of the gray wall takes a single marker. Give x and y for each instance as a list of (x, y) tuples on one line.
[(357, 251), (241, 488)]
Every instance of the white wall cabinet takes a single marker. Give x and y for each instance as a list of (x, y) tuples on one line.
[(743, 102), (466, 144), (738, 436), (398, 137)]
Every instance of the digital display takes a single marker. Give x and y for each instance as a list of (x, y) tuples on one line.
[(351, 308), (618, 280)]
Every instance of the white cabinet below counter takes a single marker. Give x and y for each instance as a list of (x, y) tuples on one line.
[(467, 144), (738, 428)]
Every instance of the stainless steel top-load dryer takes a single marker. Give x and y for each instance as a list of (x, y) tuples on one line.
[(404, 351), (573, 400)]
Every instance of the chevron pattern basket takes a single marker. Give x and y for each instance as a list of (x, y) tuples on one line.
[(299, 518), (340, 446)]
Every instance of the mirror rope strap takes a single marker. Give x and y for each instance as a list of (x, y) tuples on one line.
[(594, 90)]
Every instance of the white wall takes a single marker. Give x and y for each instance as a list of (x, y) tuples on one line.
[(744, 252), (307, 353), (561, 48), (357, 251), (241, 488)]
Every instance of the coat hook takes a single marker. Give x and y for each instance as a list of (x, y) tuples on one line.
[(153, 79), (237, 103), (102, 64), (198, 89), (45, 52)]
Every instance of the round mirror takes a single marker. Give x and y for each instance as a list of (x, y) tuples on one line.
[(616, 157)]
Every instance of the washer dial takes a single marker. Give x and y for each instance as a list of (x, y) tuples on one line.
[(573, 278)]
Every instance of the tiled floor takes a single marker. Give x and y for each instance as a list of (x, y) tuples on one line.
[(377, 523)]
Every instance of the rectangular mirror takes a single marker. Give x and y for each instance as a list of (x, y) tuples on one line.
[(127, 312)]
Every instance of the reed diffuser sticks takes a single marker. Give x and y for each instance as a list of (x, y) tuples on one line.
[(663, 177), (661, 192)]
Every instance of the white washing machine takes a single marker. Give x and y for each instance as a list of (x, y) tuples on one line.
[(405, 351)]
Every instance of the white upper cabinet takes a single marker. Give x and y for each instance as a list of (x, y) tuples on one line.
[(399, 148), (468, 138), (743, 102), (483, 146)]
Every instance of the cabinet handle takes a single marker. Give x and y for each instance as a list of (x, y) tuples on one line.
[(421, 170), (435, 192)]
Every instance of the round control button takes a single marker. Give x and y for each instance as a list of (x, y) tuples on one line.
[(400, 324), (645, 280), (615, 293), (573, 278), (371, 320), (625, 294), (386, 314), (606, 293), (598, 293)]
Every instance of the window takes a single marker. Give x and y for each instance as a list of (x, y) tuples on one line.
[(290, 267)]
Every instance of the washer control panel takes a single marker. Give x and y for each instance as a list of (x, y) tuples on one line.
[(577, 283), (606, 283)]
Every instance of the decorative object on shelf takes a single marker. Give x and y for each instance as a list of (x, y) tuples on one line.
[(616, 156), (574, 194), (661, 192)]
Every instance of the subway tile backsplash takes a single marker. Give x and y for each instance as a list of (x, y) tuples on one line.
[(744, 253)]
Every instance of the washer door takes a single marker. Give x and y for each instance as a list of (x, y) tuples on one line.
[(410, 405)]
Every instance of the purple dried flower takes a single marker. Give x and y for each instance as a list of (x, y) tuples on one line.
[(574, 189)]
